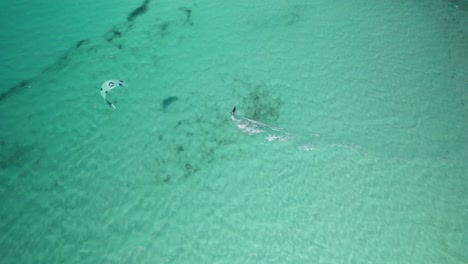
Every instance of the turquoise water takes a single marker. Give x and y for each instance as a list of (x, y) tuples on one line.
[(349, 143)]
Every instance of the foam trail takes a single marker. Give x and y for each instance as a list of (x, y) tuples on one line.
[(253, 127)]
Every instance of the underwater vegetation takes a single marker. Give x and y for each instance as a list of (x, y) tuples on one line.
[(261, 105), (114, 35), (138, 11), (14, 90), (14, 154), (168, 101)]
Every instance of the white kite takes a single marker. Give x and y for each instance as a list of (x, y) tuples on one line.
[(109, 85)]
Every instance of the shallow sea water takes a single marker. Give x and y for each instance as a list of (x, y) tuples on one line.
[(348, 144)]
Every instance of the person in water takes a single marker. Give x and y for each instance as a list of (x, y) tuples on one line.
[(233, 111)]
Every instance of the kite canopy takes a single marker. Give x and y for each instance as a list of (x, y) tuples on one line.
[(109, 85)]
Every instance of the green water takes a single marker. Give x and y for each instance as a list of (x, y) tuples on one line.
[(349, 143)]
